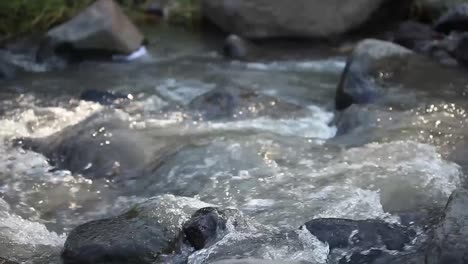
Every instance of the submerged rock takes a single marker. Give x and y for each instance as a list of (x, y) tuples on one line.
[(101, 146), (455, 19), (240, 103), (277, 18), (100, 28), (362, 234), (103, 97), (139, 236), (450, 242)]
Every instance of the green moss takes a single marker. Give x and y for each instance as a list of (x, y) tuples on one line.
[(187, 12), (25, 16)]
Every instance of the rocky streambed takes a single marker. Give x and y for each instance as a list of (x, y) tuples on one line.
[(295, 155)]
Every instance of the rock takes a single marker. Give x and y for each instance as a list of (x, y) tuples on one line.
[(240, 103), (103, 97), (277, 18), (450, 242), (7, 71), (357, 84), (383, 73), (455, 19), (102, 27), (235, 47), (101, 146), (363, 234), (138, 236), (414, 35), (460, 51), (204, 227)]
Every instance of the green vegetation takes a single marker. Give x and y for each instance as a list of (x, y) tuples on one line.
[(187, 12), (25, 16), (19, 17)]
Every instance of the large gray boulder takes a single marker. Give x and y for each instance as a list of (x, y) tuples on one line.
[(279, 18), (360, 82), (102, 26), (377, 72), (450, 242)]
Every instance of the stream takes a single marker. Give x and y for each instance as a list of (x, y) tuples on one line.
[(279, 165)]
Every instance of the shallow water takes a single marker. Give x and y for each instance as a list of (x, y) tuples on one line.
[(281, 172)]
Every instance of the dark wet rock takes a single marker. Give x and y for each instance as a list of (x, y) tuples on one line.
[(240, 103), (121, 240), (414, 35), (450, 242), (455, 19), (359, 118), (383, 73), (205, 227), (277, 18), (358, 125), (7, 71), (101, 146), (460, 51), (363, 234), (357, 84), (100, 28), (235, 47), (138, 236), (103, 97)]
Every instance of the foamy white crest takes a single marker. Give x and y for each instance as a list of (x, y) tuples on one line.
[(351, 203), (44, 121), (24, 232), (314, 125), (330, 65)]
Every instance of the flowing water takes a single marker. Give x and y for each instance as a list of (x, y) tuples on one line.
[(281, 171)]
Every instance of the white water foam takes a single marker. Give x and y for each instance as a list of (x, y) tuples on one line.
[(23, 232), (315, 125), (330, 65)]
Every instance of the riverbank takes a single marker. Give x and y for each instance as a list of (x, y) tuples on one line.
[(22, 18)]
